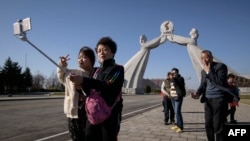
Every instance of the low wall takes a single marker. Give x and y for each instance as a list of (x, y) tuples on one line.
[(244, 90)]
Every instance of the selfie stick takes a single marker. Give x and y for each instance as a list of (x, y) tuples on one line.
[(23, 37), (20, 29)]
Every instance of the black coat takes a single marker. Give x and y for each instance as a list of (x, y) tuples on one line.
[(108, 81), (179, 85), (218, 76)]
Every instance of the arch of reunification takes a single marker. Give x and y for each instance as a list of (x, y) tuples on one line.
[(136, 66)]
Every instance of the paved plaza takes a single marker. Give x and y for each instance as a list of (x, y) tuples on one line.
[(149, 126)]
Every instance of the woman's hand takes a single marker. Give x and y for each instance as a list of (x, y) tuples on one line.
[(77, 80), (64, 59)]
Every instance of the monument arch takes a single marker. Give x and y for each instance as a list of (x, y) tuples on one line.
[(136, 66)]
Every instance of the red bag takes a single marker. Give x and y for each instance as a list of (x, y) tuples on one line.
[(96, 108)]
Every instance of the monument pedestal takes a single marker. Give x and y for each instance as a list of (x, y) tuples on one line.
[(133, 91)]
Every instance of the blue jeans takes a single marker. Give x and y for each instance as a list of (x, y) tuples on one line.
[(177, 104)]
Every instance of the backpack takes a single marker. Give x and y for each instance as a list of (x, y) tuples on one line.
[(97, 110)]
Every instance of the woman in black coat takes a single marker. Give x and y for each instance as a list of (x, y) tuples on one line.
[(108, 80)]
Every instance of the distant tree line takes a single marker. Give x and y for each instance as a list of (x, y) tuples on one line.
[(13, 80)]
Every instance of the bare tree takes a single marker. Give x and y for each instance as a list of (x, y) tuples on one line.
[(38, 81), (52, 82)]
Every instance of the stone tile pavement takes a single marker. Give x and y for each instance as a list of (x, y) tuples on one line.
[(149, 126)]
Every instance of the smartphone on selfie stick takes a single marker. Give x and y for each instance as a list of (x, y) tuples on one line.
[(20, 29)]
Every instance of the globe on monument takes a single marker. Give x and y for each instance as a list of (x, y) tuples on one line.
[(167, 27)]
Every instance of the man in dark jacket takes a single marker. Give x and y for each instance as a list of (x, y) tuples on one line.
[(213, 87), (179, 86)]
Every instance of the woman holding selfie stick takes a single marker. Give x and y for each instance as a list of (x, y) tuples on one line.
[(108, 80)]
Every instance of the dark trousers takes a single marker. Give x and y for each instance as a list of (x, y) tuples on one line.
[(215, 114), (231, 112), (163, 105), (77, 126), (168, 110), (106, 131)]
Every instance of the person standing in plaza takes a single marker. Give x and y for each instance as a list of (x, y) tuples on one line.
[(73, 101), (162, 101), (107, 79), (232, 104), (178, 92), (213, 87), (168, 107)]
